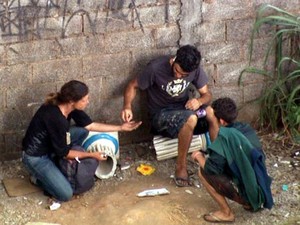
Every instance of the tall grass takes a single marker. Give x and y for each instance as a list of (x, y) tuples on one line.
[(280, 100)]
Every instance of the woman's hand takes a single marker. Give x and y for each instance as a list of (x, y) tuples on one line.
[(74, 154), (129, 126), (100, 156)]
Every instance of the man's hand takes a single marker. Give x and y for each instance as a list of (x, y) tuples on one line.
[(193, 104), (129, 126), (126, 115)]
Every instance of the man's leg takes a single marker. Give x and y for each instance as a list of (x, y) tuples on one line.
[(184, 140), (177, 124)]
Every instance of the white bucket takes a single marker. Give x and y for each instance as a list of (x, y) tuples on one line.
[(108, 143), (166, 148)]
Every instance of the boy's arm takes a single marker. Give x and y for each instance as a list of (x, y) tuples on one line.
[(213, 124)]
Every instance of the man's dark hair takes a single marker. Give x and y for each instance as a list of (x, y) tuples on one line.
[(225, 108), (188, 57)]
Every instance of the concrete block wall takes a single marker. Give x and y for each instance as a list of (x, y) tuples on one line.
[(222, 32), (105, 43)]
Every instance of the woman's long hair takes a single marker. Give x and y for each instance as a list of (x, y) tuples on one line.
[(73, 90)]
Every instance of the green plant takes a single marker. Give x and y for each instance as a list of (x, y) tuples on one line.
[(280, 100)]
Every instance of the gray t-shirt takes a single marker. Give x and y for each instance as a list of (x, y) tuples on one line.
[(163, 89)]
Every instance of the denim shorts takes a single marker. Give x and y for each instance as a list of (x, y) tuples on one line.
[(168, 122)]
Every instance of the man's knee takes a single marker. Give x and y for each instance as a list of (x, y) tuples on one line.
[(192, 121)]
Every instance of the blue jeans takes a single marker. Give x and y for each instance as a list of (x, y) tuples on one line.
[(48, 175), (78, 134)]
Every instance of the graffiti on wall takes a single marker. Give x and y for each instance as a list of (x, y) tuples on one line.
[(30, 19)]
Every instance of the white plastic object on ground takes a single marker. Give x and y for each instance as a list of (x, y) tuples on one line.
[(153, 192), (55, 206)]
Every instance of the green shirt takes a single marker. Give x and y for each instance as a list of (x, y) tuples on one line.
[(230, 154)]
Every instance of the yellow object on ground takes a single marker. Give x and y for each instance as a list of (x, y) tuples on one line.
[(145, 169)]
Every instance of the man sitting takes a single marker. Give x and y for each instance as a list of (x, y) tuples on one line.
[(172, 114)]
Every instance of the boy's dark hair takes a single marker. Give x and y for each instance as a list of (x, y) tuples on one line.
[(188, 57), (225, 108)]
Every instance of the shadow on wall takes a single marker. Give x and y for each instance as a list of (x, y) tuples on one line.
[(140, 113), (139, 107), (15, 122), (22, 103)]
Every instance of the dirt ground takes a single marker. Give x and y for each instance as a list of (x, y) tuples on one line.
[(115, 201)]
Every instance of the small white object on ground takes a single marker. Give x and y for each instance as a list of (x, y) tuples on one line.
[(153, 192), (125, 166), (55, 206), (189, 192)]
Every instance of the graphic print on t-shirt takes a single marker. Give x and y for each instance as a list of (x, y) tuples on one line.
[(176, 87)]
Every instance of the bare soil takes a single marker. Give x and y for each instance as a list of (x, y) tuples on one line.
[(115, 201)]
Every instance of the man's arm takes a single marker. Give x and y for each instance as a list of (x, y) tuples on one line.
[(129, 95), (205, 95)]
